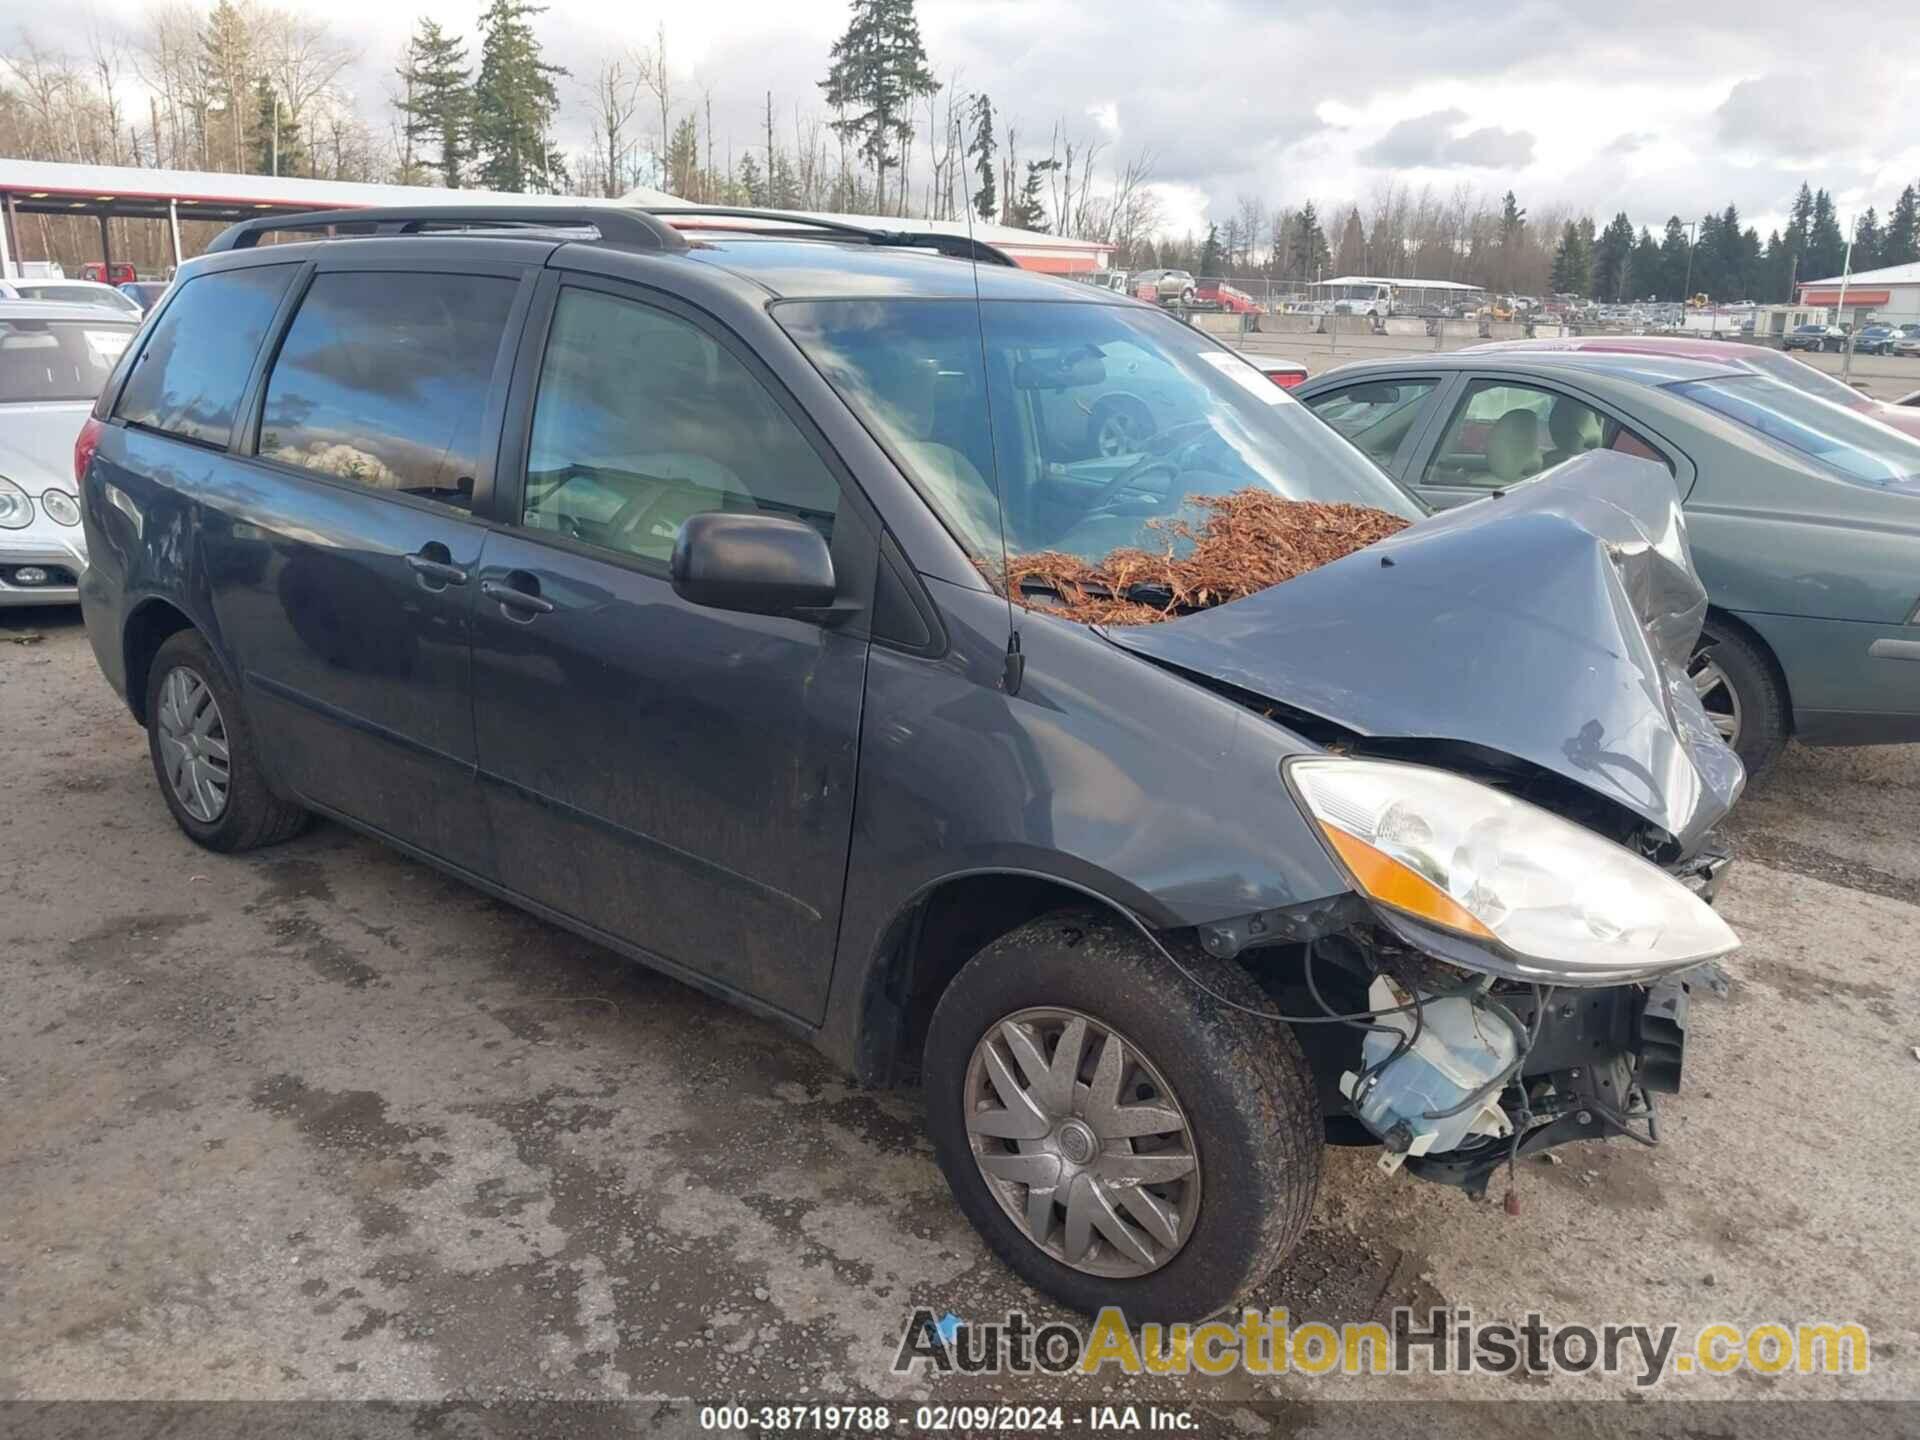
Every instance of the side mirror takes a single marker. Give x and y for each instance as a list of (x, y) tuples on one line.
[(760, 564)]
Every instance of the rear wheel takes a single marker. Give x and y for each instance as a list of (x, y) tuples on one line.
[(1117, 1135), (1742, 694), (204, 756)]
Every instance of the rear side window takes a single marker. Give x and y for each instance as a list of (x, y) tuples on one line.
[(383, 380), (188, 379)]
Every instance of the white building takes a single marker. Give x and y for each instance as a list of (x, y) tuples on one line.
[(1891, 294)]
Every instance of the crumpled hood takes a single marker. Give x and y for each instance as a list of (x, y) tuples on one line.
[(1553, 623)]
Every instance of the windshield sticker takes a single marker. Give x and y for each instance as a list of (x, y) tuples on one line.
[(1246, 377), (108, 345)]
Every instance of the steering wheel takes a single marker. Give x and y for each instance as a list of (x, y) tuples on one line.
[(1165, 444)]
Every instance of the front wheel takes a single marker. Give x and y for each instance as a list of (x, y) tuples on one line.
[(1742, 694), (1119, 427), (1117, 1135)]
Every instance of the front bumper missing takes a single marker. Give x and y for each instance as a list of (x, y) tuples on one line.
[(1601, 1057)]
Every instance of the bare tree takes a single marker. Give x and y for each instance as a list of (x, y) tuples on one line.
[(615, 97), (303, 60)]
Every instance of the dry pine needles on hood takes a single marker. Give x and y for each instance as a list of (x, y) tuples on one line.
[(1250, 540)]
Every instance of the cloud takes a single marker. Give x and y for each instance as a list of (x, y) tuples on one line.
[(1428, 142), (1792, 117)]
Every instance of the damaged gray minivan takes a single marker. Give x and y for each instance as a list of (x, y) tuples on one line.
[(683, 578)]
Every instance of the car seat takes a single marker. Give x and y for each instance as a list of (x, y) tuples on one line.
[(1574, 429), (1513, 447)]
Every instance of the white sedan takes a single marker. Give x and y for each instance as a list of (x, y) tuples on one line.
[(53, 361)]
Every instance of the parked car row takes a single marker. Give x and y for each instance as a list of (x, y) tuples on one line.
[(1802, 500)]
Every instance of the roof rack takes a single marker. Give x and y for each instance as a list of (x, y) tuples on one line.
[(784, 222), (627, 228)]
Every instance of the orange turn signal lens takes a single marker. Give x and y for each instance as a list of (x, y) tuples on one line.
[(1385, 879)]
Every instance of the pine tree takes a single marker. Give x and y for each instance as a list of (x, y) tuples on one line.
[(437, 100), (1308, 253), (1572, 272), (276, 140), (228, 70), (1676, 257), (1030, 207), (879, 69), (1210, 252), (1643, 271), (1901, 243), (1612, 258), (1868, 241), (986, 200), (1826, 246), (514, 102)]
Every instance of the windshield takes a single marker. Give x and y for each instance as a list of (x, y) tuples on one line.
[(1844, 441), (1107, 422), (58, 359), (1802, 376)]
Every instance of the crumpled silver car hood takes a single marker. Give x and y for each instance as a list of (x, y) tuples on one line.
[(1553, 623)]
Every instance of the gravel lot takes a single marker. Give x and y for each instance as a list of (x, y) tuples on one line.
[(317, 1122)]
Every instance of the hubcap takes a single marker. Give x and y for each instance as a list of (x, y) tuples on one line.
[(1717, 696), (1082, 1142), (193, 745)]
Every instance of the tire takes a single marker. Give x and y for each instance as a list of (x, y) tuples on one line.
[(1241, 1083), (1752, 683), (249, 814), (1186, 297), (1119, 426)]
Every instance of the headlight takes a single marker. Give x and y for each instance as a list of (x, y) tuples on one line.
[(16, 510), (61, 507), (1567, 907)]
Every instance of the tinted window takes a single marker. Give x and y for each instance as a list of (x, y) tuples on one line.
[(188, 379), (643, 420), (383, 380), (58, 359), (1375, 415)]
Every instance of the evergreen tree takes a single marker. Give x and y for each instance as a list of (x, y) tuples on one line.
[(1676, 255), (1706, 276), (276, 141), (982, 147), (437, 100), (1868, 241), (1030, 207), (1731, 261), (1900, 245), (752, 184), (228, 72), (879, 69), (1643, 271), (1572, 272), (1308, 253), (1826, 246), (1513, 224), (1210, 253), (1612, 258), (514, 103)]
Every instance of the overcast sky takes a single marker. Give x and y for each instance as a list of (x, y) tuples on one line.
[(1651, 106)]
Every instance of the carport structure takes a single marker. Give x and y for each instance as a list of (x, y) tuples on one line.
[(116, 192)]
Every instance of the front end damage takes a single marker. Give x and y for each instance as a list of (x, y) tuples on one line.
[(1453, 1072), (1503, 983)]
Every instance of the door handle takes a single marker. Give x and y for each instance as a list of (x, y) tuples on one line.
[(433, 563), (512, 597)]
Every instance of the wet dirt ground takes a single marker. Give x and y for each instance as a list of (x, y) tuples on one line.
[(317, 1122)]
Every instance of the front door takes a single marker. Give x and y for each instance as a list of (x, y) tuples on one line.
[(346, 569), (679, 778)]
